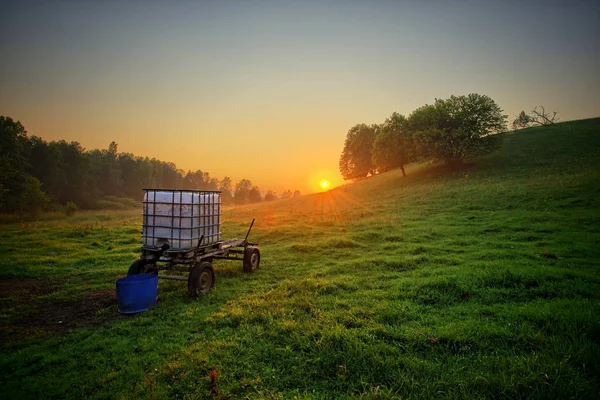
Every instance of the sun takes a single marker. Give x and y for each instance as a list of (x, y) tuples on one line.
[(324, 184)]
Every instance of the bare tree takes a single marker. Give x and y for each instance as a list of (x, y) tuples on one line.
[(541, 117)]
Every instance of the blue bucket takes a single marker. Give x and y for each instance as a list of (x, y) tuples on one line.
[(137, 293)]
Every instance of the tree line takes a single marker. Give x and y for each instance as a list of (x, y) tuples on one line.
[(449, 131), (37, 175)]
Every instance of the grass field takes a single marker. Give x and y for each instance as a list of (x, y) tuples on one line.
[(480, 283)]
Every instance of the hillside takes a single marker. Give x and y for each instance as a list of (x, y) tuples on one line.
[(477, 283)]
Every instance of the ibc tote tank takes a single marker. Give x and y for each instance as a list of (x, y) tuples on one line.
[(180, 218)]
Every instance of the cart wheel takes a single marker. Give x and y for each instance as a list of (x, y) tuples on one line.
[(201, 279), (251, 259), (138, 267)]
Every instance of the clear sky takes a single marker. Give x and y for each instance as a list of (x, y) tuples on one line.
[(267, 90)]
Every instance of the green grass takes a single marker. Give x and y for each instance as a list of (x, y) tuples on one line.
[(472, 284)]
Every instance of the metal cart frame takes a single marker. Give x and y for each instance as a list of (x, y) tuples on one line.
[(197, 262)]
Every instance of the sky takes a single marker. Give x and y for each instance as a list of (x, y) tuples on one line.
[(267, 90)]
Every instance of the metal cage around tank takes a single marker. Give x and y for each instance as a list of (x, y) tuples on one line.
[(181, 218)]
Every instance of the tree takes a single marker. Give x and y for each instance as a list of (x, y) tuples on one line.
[(242, 191), (356, 159), (225, 184), (79, 176), (33, 199), (287, 194), (171, 176), (297, 194), (110, 182), (194, 180), (226, 197), (457, 128), (254, 195), (133, 174), (45, 163), (225, 188), (13, 161), (210, 183), (270, 196), (3, 195), (391, 146), (213, 184), (541, 117), (522, 121)]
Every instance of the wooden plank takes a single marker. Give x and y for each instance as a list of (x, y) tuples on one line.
[(232, 243)]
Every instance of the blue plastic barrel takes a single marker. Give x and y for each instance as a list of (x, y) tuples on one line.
[(137, 293)]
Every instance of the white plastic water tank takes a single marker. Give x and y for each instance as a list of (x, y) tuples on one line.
[(180, 218)]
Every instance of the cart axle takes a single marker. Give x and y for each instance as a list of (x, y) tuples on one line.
[(173, 277)]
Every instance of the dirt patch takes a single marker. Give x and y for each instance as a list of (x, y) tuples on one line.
[(24, 289), (39, 317), (76, 313)]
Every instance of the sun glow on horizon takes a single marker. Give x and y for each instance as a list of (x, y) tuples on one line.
[(325, 185)]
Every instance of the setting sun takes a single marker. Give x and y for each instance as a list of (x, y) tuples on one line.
[(324, 184)]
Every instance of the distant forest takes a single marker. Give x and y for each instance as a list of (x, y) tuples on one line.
[(36, 175)]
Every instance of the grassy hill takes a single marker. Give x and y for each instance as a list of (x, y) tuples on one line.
[(477, 283)]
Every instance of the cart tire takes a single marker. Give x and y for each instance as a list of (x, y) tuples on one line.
[(138, 267), (201, 279), (251, 259)]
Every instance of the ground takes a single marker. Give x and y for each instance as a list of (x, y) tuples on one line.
[(476, 283)]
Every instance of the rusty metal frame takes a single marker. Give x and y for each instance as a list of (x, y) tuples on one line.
[(184, 260)]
